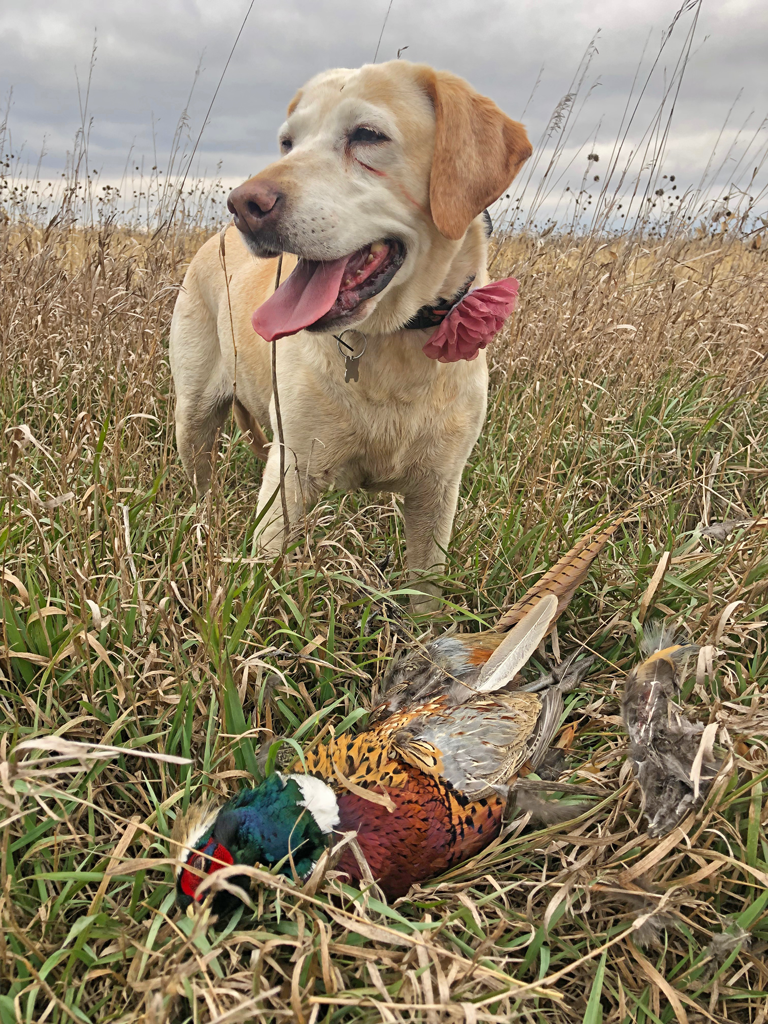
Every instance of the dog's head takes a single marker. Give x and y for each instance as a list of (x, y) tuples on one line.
[(383, 171)]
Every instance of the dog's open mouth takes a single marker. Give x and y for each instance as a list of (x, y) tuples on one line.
[(318, 294)]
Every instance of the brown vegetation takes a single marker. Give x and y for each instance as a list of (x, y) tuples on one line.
[(632, 374)]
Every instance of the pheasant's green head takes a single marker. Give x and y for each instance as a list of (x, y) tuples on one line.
[(286, 815)]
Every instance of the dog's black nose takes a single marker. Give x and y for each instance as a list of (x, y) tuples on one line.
[(255, 205)]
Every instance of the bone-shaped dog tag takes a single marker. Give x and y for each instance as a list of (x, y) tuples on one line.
[(351, 357), (351, 369)]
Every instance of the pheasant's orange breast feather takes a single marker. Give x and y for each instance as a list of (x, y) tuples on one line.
[(364, 760)]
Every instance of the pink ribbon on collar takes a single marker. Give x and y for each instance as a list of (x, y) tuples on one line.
[(473, 322)]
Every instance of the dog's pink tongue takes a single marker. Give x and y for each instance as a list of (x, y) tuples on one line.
[(303, 298)]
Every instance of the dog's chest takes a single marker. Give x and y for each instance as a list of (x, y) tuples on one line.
[(404, 417), (398, 431)]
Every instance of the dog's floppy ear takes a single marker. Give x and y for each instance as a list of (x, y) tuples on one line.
[(295, 102), (478, 151)]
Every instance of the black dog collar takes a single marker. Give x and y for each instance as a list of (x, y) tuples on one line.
[(434, 314)]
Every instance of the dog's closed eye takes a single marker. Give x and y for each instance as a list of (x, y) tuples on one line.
[(286, 145), (367, 136)]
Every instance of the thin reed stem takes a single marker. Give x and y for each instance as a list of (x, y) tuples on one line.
[(279, 420)]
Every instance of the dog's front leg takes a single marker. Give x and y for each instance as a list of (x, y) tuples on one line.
[(302, 490), (429, 510), (271, 527), (198, 422)]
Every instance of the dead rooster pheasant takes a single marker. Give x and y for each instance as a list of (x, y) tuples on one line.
[(424, 786)]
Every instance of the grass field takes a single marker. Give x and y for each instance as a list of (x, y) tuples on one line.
[(633, 375)]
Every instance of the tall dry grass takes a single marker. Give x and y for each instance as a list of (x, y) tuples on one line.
[(150, 655), (632, 372)]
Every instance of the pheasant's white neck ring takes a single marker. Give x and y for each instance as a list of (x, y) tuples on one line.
[(319, 799)]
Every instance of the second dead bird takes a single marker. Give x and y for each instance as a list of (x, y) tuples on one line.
[(664, 744)]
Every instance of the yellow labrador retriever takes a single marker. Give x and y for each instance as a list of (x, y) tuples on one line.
[(379, 196)]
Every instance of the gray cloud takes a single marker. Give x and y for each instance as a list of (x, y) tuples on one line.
[(148, 52)]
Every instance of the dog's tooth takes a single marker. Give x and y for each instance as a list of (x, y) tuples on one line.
[(369, 258), (377, 247)]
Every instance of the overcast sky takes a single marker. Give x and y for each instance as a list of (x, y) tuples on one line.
[(148, 52)]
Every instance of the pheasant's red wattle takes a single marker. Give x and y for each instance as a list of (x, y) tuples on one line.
[(473, 322), (220, 856)]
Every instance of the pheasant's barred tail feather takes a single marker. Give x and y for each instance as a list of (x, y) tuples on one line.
[(566, 575)]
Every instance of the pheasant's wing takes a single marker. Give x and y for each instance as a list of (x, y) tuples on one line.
[(566, 575), (450, 666), (476, 746), (518, 645)]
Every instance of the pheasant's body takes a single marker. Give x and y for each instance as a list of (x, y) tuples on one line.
[(431, 823), (423, 790), (431, 828)]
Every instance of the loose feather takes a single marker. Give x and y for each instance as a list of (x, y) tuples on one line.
[(518, 645), (189, 827), (566, 575), (547, 724)]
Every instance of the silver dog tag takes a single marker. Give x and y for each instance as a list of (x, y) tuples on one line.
[(351, 358), (351, 369)]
